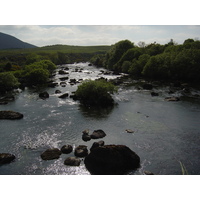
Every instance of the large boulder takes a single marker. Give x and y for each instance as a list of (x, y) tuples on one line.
[(111, 160), (81, 151), (72, 161), (67, 149), (6, 158), (98, 134), (10, 115), (51, 154)]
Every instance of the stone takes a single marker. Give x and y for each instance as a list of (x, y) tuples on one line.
[(66, 149), (44, 95), (81, 151), (58, 92), (6, 158), (129, 131), (154, 94), (86, 137), (112, 160), (147, 86), (72, 161), (63, 96), (97, 144), (172, 99), (10, 115), (51, 154), (98, 134)]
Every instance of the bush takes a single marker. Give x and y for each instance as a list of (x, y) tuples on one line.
[(8, 81), (96, 92), (37, 76)]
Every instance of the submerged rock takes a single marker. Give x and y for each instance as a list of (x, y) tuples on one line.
[(6, 158), (67, 149), (112, 160), (72, 161), (81, 151), (98, 134), (51, 154), (10, 115)]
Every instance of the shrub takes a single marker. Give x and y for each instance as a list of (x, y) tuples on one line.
[(37, 76), (97, 92), (8, 81)]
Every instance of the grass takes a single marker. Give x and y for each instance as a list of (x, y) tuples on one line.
[(183, 169)]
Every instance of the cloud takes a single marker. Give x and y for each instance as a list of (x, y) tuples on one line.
[(42, 35)]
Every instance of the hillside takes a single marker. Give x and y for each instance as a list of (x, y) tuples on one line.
[(10, 42)]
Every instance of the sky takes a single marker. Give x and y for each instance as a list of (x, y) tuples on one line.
[(86, 35)]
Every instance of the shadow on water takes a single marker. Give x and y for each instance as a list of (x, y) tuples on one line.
[(96, 112)]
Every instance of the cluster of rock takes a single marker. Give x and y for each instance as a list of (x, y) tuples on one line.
[(101, 159), (97, 134)]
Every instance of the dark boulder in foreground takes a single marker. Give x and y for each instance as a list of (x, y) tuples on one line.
[(10, 115), (98, 134), (72, 161), (67, 149), (6, 158), (111, 160), (81, 151), (51, 154)]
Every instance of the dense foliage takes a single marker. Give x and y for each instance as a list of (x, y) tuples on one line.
[(96, 92), (8, 81), (154, 61), (35, 73)]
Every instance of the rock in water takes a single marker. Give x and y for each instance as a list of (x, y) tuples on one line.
[(51, 154), (72, 161), (44, 95), (98, 134), (67, 149), (97, 144), (6, 158), (10, 115), (111, 160), (81, 151)]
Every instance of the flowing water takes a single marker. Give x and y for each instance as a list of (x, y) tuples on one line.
[(164, 132)]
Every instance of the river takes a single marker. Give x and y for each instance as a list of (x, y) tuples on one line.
[(165, 133)]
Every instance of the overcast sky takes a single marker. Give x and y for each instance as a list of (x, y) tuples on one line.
[(42, 35)]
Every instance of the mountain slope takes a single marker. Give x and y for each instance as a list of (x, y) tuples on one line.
[(10, 42)]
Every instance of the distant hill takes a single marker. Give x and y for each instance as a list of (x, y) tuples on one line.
[(10, 42)]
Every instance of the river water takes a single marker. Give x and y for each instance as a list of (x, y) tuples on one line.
[(165, 133)]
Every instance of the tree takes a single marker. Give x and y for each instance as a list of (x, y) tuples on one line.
[(116, 52)]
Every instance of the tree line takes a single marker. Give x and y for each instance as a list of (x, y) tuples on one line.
[(154, 61)]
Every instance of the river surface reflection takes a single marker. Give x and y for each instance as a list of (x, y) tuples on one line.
[(164, 132)]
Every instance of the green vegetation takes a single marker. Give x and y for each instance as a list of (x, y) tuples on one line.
[(183, 169), (154, 61), (8, 81), (97, 92)]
